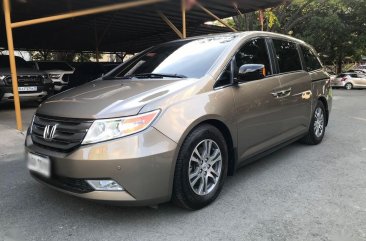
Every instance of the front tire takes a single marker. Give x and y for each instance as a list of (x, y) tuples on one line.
[(317, 126), (349, 86), (201, 168)]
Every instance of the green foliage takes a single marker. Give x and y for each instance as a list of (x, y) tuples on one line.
[(336, 28)]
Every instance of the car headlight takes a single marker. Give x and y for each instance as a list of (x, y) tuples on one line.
[(55, 76), (109, 129), (2, 79)]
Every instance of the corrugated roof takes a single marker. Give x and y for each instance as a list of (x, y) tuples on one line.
[(123, 31)]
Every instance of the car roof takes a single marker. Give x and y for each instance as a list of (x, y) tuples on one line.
[(245, 34)]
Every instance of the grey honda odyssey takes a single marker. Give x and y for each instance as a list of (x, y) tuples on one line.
[(175, 120)]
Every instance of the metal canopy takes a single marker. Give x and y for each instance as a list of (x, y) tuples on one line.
[(129, 30)]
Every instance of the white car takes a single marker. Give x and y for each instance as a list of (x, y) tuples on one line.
[(350, 81), (59, 72)]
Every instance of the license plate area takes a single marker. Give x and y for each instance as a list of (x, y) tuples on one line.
[(39, 164), (27, 88)]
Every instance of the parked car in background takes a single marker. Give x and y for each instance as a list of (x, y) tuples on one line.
[(173, 121), (359, 71), (59, 72), (350, 81), (32, 83), (89, 71)]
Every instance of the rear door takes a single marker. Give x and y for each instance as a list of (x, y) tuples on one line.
[(295, 93)]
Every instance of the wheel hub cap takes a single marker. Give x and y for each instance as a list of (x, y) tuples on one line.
[(205, 167)]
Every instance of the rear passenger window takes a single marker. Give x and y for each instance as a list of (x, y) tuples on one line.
[(287, 56), (311, 60)]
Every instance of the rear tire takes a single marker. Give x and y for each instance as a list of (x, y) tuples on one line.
[(317, 126), (349, 86), (201, 168)]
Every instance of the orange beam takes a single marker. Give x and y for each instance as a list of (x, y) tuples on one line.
[(91, 11)]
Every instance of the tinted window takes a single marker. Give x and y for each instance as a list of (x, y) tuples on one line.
[(353, 75), (254, 52), (225, 77), (20, 63), (54, 66), (190, 58), (287, 56), (311, 60)]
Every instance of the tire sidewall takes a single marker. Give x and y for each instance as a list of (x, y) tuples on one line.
[(193, 139), (316, 139)]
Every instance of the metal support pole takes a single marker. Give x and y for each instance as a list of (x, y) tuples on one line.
[(96, 42), (184, 20), (215, 17), (13, 68), (167, 21)]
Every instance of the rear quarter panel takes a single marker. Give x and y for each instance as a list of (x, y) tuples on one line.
[(321, 89)]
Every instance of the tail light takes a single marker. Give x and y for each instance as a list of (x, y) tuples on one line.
[(343, 79)]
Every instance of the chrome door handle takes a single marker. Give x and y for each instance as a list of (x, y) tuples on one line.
[(282, 93)]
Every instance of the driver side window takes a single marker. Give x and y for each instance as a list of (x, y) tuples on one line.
[(253, 52)]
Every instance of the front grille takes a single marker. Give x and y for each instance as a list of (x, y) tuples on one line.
[(65, 183), (68, 134), (27, 80)]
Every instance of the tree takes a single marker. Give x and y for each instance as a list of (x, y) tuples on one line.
[(336, 28)]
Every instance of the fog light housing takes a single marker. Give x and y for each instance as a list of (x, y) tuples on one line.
[(105, 185)]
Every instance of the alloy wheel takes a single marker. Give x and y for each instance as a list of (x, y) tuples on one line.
[(319, 122), (205, 167)]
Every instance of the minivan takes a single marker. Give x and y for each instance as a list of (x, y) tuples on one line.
[(175, 120)]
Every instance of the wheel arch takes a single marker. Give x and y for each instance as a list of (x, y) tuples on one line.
[(229, 141), (228, 135)]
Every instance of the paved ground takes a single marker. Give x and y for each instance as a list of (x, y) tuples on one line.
[(298, 193)]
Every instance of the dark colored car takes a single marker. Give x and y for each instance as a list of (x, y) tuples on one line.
[(86, 72), (32, 83)]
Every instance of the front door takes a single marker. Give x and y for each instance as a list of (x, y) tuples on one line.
[(360, 80), (259, 118)]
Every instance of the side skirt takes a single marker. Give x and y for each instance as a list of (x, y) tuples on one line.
[(269, 151)]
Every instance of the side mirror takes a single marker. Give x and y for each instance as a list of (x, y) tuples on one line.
[(250, 72)]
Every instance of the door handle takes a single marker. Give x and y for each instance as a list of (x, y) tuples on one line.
[(282, 93)]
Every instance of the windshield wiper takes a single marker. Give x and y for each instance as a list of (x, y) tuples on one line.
[(153, 76)]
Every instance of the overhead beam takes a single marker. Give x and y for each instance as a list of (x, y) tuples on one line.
[(91, 11), (170, 24), (215, 17)]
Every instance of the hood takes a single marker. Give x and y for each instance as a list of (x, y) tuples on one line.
[(109, 98), (21, 71)]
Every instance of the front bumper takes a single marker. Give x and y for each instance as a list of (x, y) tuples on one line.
[(143, 164), (6, 92), (59, 85)]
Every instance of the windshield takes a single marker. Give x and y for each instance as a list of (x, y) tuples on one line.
[(180, 59), (21, 63), (54, 66)]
